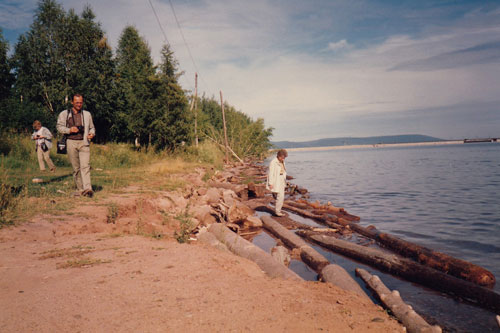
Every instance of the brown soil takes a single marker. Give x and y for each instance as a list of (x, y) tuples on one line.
[(88, 272)]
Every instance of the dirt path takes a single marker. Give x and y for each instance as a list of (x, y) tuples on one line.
[(77, 272)]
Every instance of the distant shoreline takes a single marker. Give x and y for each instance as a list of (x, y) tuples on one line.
[(380, 145)]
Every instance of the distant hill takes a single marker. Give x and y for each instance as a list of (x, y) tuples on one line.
[(407, 138)]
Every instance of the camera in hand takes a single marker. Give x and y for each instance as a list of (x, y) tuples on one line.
[(81, 129)]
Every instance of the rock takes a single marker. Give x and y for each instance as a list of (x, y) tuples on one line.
[(244, 208), (213, 195), (37, 180), (253, 222), (256, 190), (179, 203), (281, 255), (202, 191), (235, 214), (229, 197), (203, 214), (164, 204)]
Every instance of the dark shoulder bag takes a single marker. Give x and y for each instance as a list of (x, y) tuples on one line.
[(61, 144)]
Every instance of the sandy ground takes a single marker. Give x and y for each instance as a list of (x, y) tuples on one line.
[(78, 273)]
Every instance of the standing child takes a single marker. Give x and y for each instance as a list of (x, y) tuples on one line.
[(43, 139)]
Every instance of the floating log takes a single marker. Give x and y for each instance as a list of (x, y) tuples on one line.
[(413, 322), (437, 260), (318, 209), (410, 270), (328, 221), (443, 262)]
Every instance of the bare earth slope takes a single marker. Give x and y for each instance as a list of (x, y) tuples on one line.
[(79, 273)]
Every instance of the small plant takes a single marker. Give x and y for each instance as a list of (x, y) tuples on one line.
[(186, 226), (112, 213)]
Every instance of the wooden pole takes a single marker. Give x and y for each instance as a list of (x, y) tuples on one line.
[(196, 109), (225, 130)]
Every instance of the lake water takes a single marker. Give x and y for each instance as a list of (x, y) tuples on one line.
[(444, 197)]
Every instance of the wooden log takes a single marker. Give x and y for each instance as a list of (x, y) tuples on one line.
[(338, 276), (437, 260), (333, 274), (244, 248), (319, 218), (410, 270), (443, 262), (413, 322)]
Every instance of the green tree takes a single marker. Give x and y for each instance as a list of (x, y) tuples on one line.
[(246, 137), (136, 80), (174, 123), (62, 54), (6, 78)]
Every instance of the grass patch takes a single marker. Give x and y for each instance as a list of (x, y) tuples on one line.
[(83, 262), (114, 167), (75, 251), (112, 213)]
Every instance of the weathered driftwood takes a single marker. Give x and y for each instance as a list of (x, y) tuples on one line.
[(413, 322), (244, 248), (330, 209), (319, 218), (284, 220), (410, 270)]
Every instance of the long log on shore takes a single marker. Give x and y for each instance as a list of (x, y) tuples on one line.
[(413, 322), (410, 270), (331, 273), (245, 249)]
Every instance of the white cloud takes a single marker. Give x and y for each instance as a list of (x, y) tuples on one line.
[(16, 14), (254, 52), (341, 44)]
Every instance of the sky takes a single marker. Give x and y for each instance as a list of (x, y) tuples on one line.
[(323, 68)]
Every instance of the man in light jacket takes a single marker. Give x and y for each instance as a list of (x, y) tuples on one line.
[(43, 139), (78, 126), (276, 179)]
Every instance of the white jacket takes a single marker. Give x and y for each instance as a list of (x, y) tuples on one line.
[(44, 131), (274, 178), (87, 121)]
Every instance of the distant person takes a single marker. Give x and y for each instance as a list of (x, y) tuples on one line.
[(78, 127), (276, 179), (43, 139)]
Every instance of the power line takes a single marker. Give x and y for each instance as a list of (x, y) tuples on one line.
[(185, 43), (159, 23)]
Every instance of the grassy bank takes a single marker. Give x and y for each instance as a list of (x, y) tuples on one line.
[(114, 166)]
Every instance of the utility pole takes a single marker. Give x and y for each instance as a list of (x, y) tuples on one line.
[(225, 131), (194, 104)]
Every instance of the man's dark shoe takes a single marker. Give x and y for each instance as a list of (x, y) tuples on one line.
[(88, 193)]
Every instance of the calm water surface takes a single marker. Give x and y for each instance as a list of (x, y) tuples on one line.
[(443, 197)]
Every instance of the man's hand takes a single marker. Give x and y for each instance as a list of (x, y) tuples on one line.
[(73, 129), (90, 136), (270, 186)]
